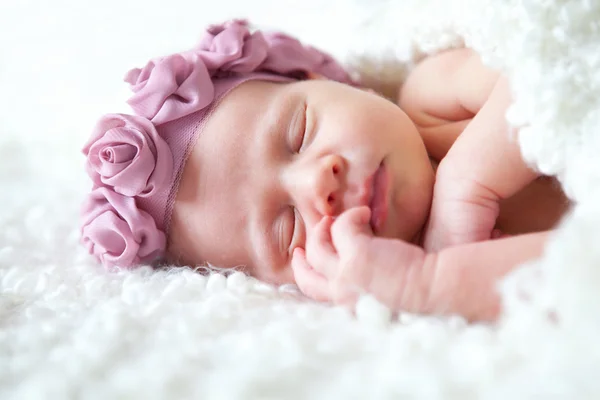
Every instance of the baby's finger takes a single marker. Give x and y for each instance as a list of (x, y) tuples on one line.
[(320, 252), (498, 234), (349, 225), (309, 281)]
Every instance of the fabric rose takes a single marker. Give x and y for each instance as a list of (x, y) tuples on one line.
[(177, 85), (174, 86), (288, 55), (231, 47), (170, 87), (126, 153), (117, 232)]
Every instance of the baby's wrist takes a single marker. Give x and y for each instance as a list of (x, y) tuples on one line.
[(407, 279), (462, 211), (452, 186)]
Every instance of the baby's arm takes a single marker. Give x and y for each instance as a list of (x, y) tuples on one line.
[(483, 167), (464, 277), (343, 259), (455, 90)]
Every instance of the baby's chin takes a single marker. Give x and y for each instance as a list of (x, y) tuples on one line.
[(414, 236), (412, 211), (407, 223)]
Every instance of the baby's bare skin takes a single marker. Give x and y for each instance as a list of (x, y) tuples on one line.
[(458, 107), (282, 176), (442, 96)]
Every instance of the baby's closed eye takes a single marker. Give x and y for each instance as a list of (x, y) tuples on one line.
[(299, 232), (297, 130), (292, 231)]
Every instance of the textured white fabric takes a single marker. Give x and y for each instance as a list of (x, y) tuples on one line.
[(68, 329)]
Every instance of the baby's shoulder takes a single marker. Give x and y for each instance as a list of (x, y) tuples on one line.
[(443, 93), (449, 86)]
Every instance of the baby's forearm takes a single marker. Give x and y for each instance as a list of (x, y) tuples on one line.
[(464, 278), (460, 280), (486, 154)]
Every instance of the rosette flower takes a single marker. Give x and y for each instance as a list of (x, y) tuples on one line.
[(170, 87), (127, 154), (231, 48), (174, 86), (117, 232), (288, 55), (177, 85)]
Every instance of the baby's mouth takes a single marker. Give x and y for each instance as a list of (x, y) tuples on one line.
[(378, 203)]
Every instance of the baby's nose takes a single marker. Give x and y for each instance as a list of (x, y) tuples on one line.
[(328, 185)]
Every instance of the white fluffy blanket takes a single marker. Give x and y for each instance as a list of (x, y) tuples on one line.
[(68, 329)]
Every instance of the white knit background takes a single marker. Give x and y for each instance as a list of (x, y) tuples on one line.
[(68, 329)]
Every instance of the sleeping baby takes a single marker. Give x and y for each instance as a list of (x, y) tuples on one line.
[(253, 151)]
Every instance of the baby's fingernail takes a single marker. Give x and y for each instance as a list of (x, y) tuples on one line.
[(297, 252), (366, 216)]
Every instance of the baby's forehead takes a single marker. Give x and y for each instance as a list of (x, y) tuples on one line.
[(242, 119), (218, 175)]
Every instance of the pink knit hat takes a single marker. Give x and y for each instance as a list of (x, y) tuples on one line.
[(136, 161)]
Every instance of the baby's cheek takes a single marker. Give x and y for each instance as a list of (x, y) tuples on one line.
[(279, 275), (414, 204)]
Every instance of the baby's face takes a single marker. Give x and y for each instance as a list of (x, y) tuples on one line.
[(273, 159)]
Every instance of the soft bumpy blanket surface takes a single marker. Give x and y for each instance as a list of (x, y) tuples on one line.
[(68, 329)]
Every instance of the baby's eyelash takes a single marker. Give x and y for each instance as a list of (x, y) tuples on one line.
[(296, 230), (299, 129), (285, 230), (294, 222)]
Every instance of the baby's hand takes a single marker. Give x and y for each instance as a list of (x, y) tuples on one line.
[(343, 259), (462, 211)]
